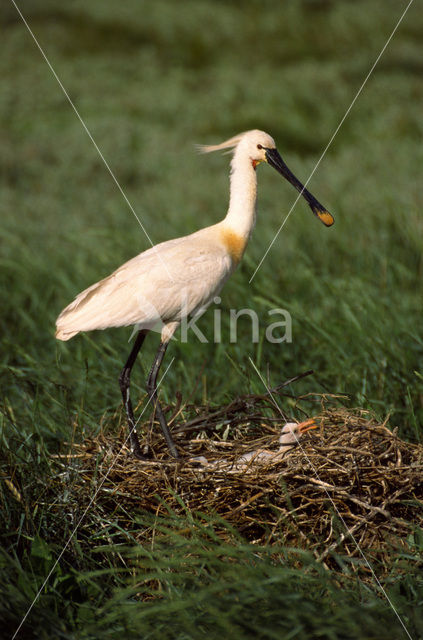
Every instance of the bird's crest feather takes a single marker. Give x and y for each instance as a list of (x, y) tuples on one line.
[(228, 144)]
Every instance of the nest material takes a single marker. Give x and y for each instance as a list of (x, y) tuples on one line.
[(352, 486)]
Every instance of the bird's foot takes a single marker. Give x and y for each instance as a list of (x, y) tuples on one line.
[(140, 456)]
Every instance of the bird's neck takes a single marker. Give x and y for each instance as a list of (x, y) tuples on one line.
[(241, 214)]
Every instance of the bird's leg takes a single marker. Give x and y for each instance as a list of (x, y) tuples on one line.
[(124, 383), (152, 392)]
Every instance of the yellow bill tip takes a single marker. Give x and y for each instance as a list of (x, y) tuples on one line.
[(326, 217)]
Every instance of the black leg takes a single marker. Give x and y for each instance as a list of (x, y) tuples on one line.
[(152, 392), (124, 382)]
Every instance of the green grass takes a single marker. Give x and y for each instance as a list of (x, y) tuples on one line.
[(195, 585), (150, 80)]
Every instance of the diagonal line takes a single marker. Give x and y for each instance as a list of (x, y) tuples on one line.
[(89, 134), (85, 512), (334, 505), (332, 138)]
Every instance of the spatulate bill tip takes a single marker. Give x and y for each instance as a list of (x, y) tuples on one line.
[(324, 216)]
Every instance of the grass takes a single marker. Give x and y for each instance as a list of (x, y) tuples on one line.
[(235, 590), (150, 80)]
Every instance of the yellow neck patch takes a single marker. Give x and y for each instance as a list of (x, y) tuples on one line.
[(234, 243)]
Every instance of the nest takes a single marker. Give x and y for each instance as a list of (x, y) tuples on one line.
[(352, 488)]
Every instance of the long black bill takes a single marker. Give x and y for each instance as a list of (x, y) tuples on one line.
[(274, 159)]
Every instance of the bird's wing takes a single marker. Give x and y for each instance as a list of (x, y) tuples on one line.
[(163, 284)]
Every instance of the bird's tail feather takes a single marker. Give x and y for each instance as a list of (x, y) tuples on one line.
[(62, 334)]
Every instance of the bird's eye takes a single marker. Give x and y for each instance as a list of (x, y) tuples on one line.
[(259, 146)]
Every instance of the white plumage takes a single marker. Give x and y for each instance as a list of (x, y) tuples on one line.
[(158, 285), (176, 278), (290, 436)]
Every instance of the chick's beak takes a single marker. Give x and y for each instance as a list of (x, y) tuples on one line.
[(307, 425), (275, 160)]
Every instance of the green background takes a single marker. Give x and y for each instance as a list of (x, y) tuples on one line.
[(151, 79)]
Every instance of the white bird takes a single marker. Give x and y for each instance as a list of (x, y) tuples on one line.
[(290, 436), (174, 279)]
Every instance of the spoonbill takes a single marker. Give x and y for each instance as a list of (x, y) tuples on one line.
[(175, 279), (290, 436)]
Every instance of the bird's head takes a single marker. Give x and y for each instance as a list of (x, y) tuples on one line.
[(259, 147), (255, 145), (292, 432)]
